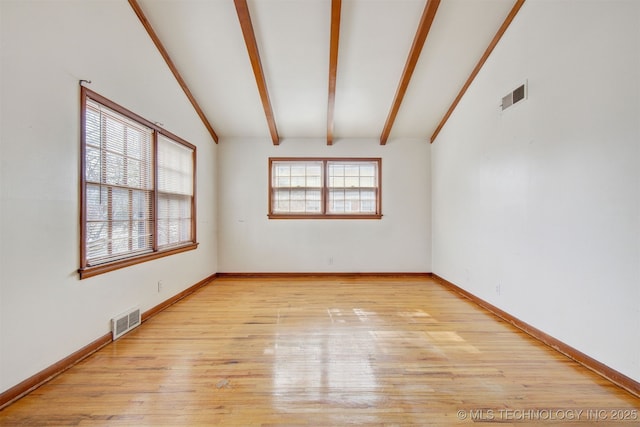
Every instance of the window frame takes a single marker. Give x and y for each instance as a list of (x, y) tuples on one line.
[(86, 269), (325, 189)]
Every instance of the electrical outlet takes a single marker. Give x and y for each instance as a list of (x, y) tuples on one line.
[(160, 286), (498, 289), (330, 260)]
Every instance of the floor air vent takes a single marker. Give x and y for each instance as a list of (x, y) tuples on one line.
[(125, 322), (514, 97)]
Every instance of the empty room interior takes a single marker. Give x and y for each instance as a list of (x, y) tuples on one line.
[(319, 212)]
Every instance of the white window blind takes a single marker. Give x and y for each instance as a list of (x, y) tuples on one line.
[(175, 192), (118, 185)]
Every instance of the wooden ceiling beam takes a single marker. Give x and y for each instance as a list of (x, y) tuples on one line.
[(336, 6), (254, 56), (512, 14), (426, 20), (176, 74)]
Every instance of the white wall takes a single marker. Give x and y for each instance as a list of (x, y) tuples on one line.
[(536, 209), (250, 242), (47, 313)]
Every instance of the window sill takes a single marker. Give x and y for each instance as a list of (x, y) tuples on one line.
[(327, 216), (96, 270)]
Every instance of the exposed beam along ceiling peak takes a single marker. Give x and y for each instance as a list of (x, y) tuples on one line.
[(336, 6), (503, 28), (299, 41), (428, 15), (244, 17), (174, 70)]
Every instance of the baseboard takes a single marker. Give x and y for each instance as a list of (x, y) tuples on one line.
[(174, 299), (25, 387), (588, 362), (289, 275), (35, 381)]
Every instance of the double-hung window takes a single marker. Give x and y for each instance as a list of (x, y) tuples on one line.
[(137, 189), (315, 188)]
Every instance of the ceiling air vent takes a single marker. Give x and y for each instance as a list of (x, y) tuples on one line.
[(514, 97)]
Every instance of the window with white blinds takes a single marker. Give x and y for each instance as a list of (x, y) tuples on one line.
[(137, 189), (324, 188), (175, 192)]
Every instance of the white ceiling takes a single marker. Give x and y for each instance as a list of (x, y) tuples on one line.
[(204, 40)]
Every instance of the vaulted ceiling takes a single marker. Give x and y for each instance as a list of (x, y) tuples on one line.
[(334, 69)]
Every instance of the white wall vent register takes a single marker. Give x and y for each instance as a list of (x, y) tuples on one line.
[(125, 322), (517, 95)]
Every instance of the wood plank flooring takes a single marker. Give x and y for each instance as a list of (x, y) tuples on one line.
[(325, 351)]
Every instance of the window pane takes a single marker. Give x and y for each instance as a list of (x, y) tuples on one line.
[(118, 197), (96, 202), (367, 170), (367, 181), (93, 164), (140, 235), (352, 170), (97, 242), (120, 204), (174, 219), (134, 178), (92, 123), (134, 144), (297, 195), (113, 134), (175, 167), (336, 181), (367, 195), (298, 169), (119, 237), (352, 181), (298, 186), (297, 201), (336, 169), (298, 181), (280, 203), (314, 181), (114, 169), (282, 170), (313, 206), (141, 204), (353, 187), (175, 183), (314, 169), (283, 181), (297, 174)]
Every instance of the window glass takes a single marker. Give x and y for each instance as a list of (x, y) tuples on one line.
[(298, 188), (124, 216)]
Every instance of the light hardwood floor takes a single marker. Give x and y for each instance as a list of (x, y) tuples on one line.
[(325, 351)]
